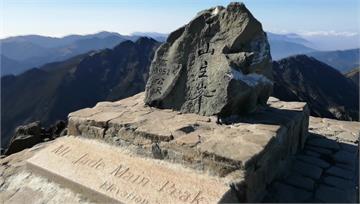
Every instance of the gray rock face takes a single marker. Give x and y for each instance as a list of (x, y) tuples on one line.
[(25, 136), (28, 135), (218, 64)]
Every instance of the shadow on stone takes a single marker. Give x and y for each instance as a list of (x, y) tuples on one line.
[(337, 173)]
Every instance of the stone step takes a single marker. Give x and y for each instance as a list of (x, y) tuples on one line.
[(338, 182), (323, 142), (333, 195), (300, 182), (322, 151), (339, 172), (289, 194), (305, 169), (345, 157), (313, 160)]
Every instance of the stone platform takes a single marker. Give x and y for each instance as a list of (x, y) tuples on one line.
[(240, 151), (19, 185)]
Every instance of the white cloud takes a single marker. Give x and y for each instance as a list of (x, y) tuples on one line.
[(328, 33)]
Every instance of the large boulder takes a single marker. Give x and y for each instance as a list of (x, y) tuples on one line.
[(25, 136), (218, 64)]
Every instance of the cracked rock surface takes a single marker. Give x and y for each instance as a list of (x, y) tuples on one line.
[(217, 64), (241, 149)]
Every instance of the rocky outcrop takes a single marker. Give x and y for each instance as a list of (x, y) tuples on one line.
[(327, 92), (218, 64), (27, 136)]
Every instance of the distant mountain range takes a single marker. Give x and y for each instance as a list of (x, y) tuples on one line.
[(50, 92), (21, 53), (342, 60), (285, 45), (328, 93), (160, 37)]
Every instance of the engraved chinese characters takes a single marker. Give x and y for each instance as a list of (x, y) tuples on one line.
[(218, 64), (202, 90)]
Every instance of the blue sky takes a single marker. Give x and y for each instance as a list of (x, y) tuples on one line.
[(63, 17)]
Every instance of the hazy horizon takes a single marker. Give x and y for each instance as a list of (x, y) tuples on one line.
[(57, 19), (323, 21)]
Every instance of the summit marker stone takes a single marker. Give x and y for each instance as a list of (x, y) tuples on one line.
[(218, 64)]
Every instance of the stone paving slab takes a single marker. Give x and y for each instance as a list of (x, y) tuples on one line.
[(300, 181), (288, 194), (340, 172), (312, 153), (319, 150), (324, 143), (338, 182), (332, 195), (314, 160), (339, 179), (306, 169), (345, 157), (110, 174), (347, 166)]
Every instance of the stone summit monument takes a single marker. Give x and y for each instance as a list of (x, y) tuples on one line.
[(165, 144), (218, 64)]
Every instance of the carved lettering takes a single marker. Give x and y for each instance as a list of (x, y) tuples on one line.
[(130, 175), (206, 50), (183, 195), (201, 89), (112, 188), (199, 199), (119, 171), (126, 174), (85, 160), (61, 150)]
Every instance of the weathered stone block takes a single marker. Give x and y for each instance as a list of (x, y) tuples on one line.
[(241, 152)]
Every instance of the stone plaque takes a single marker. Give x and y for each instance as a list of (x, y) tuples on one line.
[(110, 174)]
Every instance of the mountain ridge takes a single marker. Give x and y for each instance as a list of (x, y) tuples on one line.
[(328, 93), (342, 60), (50, 92), (24, 52)]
